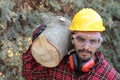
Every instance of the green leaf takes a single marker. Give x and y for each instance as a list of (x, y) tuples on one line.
[(1, 78), (3, 52), (55, 4), (117, 33), (66, 1), (79, 3)]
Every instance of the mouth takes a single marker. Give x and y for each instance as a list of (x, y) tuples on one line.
[(84, 54)]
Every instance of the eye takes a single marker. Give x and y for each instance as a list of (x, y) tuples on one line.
[(80, 39), (93, 41)]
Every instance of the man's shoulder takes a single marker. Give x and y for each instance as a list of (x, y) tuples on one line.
[(105, 70), (103, 63)]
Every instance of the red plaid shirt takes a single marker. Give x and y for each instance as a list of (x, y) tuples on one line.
[(31, 70)]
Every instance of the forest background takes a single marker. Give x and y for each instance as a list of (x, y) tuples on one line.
[(18, 19)]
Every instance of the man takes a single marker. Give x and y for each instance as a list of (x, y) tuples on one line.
[(84, 62)]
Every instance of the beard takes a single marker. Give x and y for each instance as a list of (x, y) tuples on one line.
[(83, 57)]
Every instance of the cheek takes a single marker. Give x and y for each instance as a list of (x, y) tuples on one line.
[(77, 47), (93, 50)]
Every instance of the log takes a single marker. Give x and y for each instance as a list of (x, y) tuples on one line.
[(54, 43)]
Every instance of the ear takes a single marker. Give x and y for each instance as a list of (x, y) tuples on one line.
[(72, 40)]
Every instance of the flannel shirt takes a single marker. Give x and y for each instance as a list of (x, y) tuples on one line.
[(31, 70)]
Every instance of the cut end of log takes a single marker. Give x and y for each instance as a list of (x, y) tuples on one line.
[(44, 52)]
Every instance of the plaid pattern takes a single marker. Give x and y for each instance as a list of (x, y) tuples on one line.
[(31, 70)]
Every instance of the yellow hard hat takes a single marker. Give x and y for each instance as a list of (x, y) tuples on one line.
[(87, 20)]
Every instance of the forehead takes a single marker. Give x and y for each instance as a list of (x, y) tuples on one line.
[(87, 34)]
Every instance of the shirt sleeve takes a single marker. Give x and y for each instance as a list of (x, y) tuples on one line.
[(31, 70)]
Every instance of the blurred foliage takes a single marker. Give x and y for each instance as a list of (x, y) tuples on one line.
[(18, 19)]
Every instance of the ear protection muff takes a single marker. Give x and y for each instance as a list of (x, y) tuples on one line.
[(84, 66), (73, 62)]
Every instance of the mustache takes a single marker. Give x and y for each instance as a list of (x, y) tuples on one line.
[(85, 51)]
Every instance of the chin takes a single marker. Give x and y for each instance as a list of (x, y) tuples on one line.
[(84, 58)]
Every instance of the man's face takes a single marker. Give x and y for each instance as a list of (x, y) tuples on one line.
[(86, 43)]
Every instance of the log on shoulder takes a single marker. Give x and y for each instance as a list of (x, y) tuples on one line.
[(54, 43)]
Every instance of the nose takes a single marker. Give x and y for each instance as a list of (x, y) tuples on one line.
[(86, 46)]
